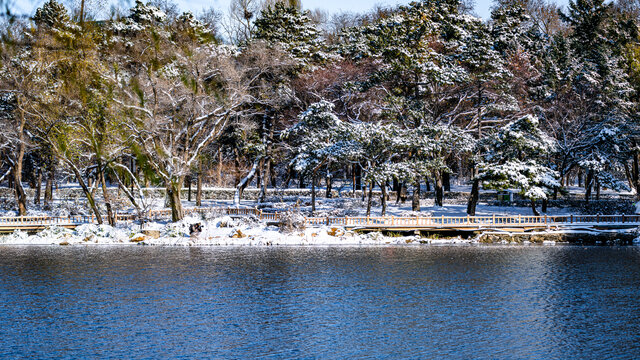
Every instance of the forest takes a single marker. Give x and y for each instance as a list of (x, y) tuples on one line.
[(536, 98)]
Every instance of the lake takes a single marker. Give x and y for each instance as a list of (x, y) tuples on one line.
[(521, 302)]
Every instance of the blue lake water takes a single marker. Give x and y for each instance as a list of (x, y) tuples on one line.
[(337, 302)]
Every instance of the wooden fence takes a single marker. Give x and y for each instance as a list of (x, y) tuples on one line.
[(493, 221), (367, 222)]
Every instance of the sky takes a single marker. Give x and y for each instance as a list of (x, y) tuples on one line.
[(330, 6)]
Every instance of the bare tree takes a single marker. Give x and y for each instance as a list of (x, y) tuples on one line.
[(239, 25), (176, 95)]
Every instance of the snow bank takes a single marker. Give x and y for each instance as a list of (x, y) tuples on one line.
[(219, 231)]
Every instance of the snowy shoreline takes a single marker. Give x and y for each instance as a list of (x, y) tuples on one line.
[(225, 231)]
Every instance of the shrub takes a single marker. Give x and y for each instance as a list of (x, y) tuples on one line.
[(292, 221)]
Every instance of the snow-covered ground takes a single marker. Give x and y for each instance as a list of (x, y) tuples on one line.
[(250, 232), (219, 231)]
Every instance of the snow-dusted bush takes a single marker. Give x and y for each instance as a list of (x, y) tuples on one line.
[(292, 221), (213, 214), (224, 222), (8, 204)]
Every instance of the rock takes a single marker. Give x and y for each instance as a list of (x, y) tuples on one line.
[(238, 234), (336, 232), (64, 243), (226, 222), (154, 234), (138, 238), (195, 229)]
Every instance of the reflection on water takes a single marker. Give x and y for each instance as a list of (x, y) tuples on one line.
[(388, 302)]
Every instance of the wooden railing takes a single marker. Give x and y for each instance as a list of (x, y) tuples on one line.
[(389, 222), (472, 221)]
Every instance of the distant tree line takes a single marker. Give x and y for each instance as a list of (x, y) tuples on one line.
[(536, 98)]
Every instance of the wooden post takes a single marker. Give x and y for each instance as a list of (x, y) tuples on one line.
[(572, 218), (545, 219), (623, 218), (519, 218), (598, 218), (442, 221), (494, 219), (327, 221)]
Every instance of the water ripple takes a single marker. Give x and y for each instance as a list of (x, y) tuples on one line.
[(273, 303)]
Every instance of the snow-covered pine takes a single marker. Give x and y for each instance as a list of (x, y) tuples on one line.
[(286, 26), (317, 140), (600, 84), (515, 157)]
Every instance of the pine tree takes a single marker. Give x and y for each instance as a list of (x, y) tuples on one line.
[(51, 14), (288, 27), (515, 157), (315, 141), (600, 84), (511, 28)]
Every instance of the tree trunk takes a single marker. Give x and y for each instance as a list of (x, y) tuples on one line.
[(545, 203), (580, 177), (21, 197), (635, 175), (199, 188), (353, 180), (313, 193), (329, 181), (48, 189), (446, 181), (370, 198), (428, 185), (415, 201), (219, 180), (396, 188), (242, 184), (85, 189), (265, 180), (272, 174), (300, 180), (188, 180), (173, 192), (236, 161), (36, 198), (597, 185), (439, 190), (383, 187), (533, 207), (473, 198), (287, 180), (111, 218), (259, 178), (588, 185)]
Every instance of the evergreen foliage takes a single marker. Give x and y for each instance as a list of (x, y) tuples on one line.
[(404, 94)]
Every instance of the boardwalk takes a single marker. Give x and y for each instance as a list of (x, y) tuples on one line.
[(517, 223)]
